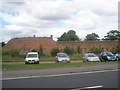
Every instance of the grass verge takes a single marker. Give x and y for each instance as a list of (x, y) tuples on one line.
[(52, 65)]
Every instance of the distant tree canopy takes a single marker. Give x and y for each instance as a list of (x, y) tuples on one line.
[(69, 36), (112, 35), (3, 43), (92, 37)]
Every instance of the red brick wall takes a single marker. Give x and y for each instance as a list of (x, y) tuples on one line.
[(28, 44)]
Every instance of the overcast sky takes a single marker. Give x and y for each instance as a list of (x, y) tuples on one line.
[(25, 18)]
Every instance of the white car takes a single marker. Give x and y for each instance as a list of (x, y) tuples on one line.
[(32, 57), (90, 57), (62, 57)]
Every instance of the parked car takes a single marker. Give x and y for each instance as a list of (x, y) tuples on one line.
[(117, 56), (107, 56), (32, 57), (62, 57), (90, 57)]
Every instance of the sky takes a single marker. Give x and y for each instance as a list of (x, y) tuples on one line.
[(25, 18)]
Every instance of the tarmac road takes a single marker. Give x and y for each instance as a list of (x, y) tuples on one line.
[(98, 79)]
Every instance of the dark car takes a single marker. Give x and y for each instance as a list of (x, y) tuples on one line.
[(107, 56), (117, 56)]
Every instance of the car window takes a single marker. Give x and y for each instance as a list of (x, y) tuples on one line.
[(62, 55), (31, 55), (109, 54), (91, 55)]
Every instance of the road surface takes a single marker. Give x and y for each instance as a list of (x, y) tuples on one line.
[(100, 79)]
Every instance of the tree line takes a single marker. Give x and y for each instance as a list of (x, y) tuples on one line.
[(71, 36)]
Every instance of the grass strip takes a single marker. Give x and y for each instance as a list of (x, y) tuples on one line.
[(52, 65)]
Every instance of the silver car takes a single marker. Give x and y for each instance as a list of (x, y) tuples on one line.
[(117, 56), (62, 57), (90, 57)]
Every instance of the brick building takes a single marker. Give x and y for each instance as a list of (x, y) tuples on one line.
[(29, 43)]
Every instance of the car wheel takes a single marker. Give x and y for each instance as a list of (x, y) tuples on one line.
[(26, 63), (68, 61), (117, 58), (37, 62)]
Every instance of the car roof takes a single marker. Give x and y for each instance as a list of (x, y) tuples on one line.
[(89, 53), (32, 52), (61, 53)]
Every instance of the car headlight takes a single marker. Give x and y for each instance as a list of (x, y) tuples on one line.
[(108, 57)]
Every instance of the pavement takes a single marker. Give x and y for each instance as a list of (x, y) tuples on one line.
[(53, 71)]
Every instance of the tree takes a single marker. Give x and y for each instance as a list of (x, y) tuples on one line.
[(54, 51), (112, 35), (92, 37), (69, 36), (3, 43)]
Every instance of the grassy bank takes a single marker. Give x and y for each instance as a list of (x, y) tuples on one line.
[(42, 58), (52, 65)]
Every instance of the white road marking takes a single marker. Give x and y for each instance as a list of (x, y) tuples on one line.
[(91, 87), (59, 74)]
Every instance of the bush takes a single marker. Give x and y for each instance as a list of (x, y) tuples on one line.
[(115, 50), (54, 51), (40, 51), (68, 50), (79, 51), (95, 50), (34, 50)]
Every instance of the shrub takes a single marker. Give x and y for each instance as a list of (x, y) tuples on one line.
[(34, 50), (54, 51), (79, 51), (95, 50), (40, 51), (68, 50), (115, 50), (14, 51)]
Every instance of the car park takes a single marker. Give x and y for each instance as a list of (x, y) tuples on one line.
[(32, 57), (117, 56), (62, 57), (107, 56), (90, 57)]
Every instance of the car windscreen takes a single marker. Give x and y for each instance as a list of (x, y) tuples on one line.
[(62, 55), (91, 55), (31, 55), (109, 54)]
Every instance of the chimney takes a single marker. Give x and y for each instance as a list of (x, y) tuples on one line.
[(33, 35), (51, 36)]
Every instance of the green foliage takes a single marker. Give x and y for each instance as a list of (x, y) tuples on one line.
[(54, 51), (116, 50), (13, 52), (95, 50), (69, 36), (79, 51), (68, 50), (3, 43), (92, 37), (34, 50), (112, 35), (40, 52)]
